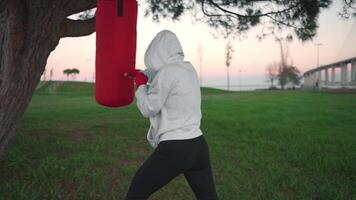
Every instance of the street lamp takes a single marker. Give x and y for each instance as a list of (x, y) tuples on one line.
[(240, 80), (317, 54), (200, 54)]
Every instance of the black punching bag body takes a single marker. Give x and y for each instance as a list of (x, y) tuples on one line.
[(116, 22)]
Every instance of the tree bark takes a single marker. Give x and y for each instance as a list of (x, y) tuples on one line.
[(29, 31), (76, 28)]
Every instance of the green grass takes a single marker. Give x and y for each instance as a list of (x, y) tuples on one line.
[(263, 145)]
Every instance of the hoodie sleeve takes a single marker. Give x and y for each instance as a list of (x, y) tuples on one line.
[(150, 74), (151, 99)]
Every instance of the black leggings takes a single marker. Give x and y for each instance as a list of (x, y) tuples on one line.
[(169, 159)]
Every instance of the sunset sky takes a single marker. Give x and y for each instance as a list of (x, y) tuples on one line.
[(251, 56)]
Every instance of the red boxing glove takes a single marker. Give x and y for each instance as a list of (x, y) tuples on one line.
[(140, 78)]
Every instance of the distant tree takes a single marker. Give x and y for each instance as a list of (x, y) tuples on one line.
[(283, 64), (289, 75), (51, 74), (44, 74), (67, 72), (282, 76), (74, 72), (272, 73), (228, 58), (294, 75)]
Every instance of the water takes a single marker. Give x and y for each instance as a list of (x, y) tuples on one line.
[(240, 87)]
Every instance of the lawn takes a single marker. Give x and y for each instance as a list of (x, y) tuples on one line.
[(263, 145)]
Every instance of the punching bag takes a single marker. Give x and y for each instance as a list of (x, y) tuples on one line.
[(115, 51)]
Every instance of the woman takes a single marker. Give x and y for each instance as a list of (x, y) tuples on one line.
[(172, 103)]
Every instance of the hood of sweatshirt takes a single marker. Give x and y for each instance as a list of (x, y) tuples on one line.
[(165, 48)]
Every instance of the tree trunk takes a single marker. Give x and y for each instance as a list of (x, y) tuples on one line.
[(29, 31), (26, 40)]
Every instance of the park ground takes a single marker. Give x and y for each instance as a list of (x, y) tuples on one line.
[(263, 145)]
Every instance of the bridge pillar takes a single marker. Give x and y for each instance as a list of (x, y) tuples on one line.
[(353, 71), (346, 76), (327, 76), (306, 80), (310, 81), (343, 74), (333, 75)]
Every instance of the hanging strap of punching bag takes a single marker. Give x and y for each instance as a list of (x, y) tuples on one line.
[(120, 8)]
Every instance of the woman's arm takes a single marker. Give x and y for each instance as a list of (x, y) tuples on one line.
[(151, 99)]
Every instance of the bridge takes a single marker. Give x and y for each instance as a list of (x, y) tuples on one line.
[(341, 74)]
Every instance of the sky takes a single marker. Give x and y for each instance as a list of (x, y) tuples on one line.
[(250, 57)]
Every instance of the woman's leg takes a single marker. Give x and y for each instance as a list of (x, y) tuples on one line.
[(200, 176), (159, 169)]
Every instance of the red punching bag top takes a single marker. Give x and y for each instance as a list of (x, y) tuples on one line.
[(115, 51)]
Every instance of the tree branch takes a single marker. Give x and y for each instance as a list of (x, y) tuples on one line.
[(283, 23), (77, 28), (214, 15), (76, 6), (254, 15), (350, 4)]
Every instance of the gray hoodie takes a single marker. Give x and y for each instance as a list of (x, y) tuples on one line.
[(172, 100)]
